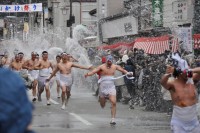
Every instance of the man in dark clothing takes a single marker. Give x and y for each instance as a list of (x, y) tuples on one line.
[(15, 109), (130, 83)]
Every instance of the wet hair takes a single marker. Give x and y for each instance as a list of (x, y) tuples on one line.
[(35, 53), (64, 53), (20, 53), (58, 56), (44, 52)]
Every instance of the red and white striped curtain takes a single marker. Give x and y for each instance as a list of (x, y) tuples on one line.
[(175, 45), (155, 45), (196, 39)]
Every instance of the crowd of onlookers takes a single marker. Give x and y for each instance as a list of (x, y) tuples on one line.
[(145, 90)]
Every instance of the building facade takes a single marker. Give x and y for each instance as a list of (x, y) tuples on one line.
[(153, 17)]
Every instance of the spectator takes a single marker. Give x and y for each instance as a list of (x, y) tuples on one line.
[(15, 109), (130, 83)]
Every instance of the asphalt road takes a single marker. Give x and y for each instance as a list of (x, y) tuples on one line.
[(84, 115)]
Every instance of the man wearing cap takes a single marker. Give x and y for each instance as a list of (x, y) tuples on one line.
[(107, 87), (64, 68), (29, 65), (44, 66)]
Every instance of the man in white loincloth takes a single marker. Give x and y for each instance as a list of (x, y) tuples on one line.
[(44, 66), (16, 65), (107, 86), (184, 97), (64, 68), (6, 60), (29, 65), (58, 60)]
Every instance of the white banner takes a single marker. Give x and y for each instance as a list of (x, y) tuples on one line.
[(180, 10), (185, 35), (37, 7)]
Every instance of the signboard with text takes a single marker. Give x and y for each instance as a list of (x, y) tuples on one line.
[(185, 35), (157, 6), (37, 7), (180, 10)]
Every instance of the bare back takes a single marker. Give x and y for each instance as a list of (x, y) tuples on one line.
[(183, 94)]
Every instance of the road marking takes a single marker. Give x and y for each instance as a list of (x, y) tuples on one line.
[(54, 102), (81, 119)]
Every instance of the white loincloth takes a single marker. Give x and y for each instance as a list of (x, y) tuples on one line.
[(184, 120), (34, 74), (114, 78), (107, 86), (58, 76), (44, 72), (66, 80), (6, 66), (42, 82)]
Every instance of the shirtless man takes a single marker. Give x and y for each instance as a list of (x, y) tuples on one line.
[(58, 60), (184, 96), (29, 65), (6, 60), (21, 56), (44, 72), (107, 87), (16, 65), (64, 68)]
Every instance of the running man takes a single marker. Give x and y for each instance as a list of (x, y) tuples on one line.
[(29, 65), (6, 60), (184, 97), (107, 87), (21, 56), (44, 66), (16, 65), (64, 68), (58, 60)]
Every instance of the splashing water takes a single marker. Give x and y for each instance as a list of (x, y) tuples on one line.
[(43, 41)]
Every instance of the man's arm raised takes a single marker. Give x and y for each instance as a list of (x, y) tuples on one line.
[(81, 67), (93, 71), (164, 80)]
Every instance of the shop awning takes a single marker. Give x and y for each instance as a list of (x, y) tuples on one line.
[(155, 45), (196, 38)]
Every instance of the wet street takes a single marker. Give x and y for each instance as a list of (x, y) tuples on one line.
[(83, 114)]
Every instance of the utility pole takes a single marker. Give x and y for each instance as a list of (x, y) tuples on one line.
[(29, 18), (80, 11), (70, 16), (139, 15)]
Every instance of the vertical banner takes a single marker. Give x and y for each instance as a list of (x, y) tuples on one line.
[(180, 10), (185, 37), (157, 7)]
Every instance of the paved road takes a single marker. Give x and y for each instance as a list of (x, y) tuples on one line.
[(83, 114)]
